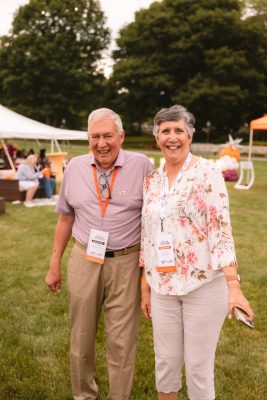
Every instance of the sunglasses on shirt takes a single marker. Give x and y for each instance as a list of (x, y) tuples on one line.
[(105, 189)]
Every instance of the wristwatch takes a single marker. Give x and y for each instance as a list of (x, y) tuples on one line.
[(231, 278)]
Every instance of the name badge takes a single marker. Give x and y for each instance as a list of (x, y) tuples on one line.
[(165, 253), (97, 245)]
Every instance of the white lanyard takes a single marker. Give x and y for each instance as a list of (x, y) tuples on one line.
[(163, 196)]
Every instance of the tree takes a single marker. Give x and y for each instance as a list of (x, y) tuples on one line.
[(49, 65), (255, 7), (198, 53)]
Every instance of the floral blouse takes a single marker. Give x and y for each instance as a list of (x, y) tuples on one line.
[(197, 217)]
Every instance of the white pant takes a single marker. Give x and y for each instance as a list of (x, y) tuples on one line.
[(186, 330), (26, 185)]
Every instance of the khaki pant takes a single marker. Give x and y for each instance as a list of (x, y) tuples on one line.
[(115, 285)]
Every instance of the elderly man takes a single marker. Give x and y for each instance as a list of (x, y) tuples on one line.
[(100, 205)]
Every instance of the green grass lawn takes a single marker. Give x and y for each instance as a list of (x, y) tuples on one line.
[(34, 331)]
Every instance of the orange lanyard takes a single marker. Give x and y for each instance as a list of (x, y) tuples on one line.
[(104, 204)]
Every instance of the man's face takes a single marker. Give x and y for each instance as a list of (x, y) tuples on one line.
[(105, 141)]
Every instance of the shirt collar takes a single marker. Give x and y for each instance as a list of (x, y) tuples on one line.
[(162, 170), (119, 162)]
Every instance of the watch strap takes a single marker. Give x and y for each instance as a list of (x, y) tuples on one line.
[(231, 278)]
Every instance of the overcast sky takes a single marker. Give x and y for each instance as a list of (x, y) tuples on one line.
[(118, 12)]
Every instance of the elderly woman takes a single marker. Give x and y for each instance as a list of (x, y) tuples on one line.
[(190, 278), (28, 178)]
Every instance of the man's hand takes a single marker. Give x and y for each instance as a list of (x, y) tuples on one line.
[(62, 235), (53, 279)]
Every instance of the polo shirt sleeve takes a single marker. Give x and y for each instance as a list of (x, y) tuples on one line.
[(149, 167), (63, 206)]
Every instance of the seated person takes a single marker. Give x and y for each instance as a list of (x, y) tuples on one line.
[(20, 157), (46, 180), (30, 152), (2, 163), (11, 150), (42, 159), (28, 178)]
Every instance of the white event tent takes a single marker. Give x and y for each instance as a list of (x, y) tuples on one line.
[(16, 126)]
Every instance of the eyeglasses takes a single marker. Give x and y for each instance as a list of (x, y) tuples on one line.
[(105, 190)]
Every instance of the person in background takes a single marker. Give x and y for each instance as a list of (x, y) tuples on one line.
[(44, 165), (11, 150), (20, 157), (100, 204), (2, 157), (190, 279), (31, 152), (42, 159), (47, 181), (28, 178)]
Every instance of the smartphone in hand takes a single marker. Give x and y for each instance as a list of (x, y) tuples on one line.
[(242, 316)]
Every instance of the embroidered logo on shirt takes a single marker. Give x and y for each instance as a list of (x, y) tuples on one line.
[(123, 192)]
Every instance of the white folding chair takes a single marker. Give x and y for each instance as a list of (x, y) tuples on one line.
[(246, 177)]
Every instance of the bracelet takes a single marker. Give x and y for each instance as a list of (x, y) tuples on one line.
[(143, 280), (233, 282)]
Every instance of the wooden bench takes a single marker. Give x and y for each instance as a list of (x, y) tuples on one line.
[(9, 189), (2, 205)]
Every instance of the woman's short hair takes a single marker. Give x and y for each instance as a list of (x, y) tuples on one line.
[(31, 159), (174, 113), (105, 113)]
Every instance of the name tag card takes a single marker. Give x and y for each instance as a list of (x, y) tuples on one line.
[(165, 253), (97, 245)]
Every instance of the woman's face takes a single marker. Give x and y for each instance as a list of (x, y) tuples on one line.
[(174, 141)]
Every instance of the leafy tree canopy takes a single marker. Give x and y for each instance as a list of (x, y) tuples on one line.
[(255, 6), (202, 54), (50, 62)]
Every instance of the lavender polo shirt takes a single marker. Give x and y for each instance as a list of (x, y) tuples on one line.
[(123, 216)]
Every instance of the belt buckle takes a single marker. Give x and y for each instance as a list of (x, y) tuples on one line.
[(124, 251)]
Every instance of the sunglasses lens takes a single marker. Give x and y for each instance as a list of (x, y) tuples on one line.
[(105, 191)]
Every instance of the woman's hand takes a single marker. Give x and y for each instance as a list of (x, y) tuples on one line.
[(145, 300), (237, 299)]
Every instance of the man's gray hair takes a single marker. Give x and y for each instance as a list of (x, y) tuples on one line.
[(174, 113), (105, 113)]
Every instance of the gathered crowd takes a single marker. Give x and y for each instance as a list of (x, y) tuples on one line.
[(32, 170)]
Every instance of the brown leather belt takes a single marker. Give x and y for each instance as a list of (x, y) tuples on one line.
[(114, 253)]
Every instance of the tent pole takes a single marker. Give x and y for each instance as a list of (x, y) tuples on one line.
[(8, 156), (250, 144), (57, 145)]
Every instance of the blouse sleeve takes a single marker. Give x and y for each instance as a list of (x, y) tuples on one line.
[(141, 257), (24, 173), (219, 230)]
